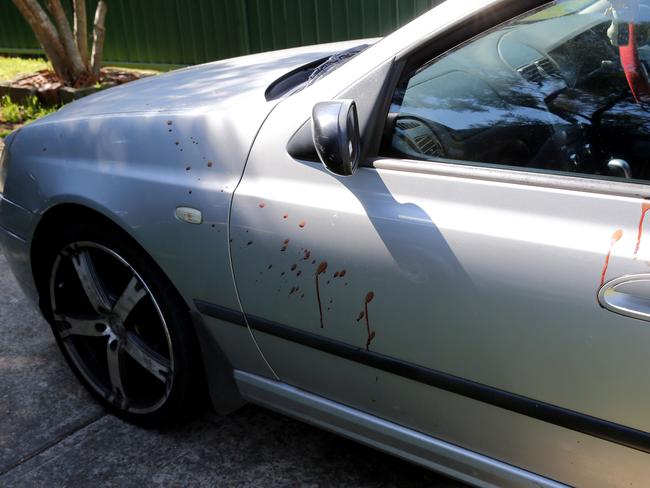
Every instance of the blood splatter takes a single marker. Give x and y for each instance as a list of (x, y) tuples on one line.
[(361, 315), (210, 163), (302, 224), (322, 267), (644, 209), (282, 274), (293, 267), (307, 255), (285, 245), (285, 216), (249, 243), (342, 273), (370, 338), (313, 262), (293, 290), (188, 168), (298, 273), (270, 266), (371, 333), (177, 143), (336, 275), (169, 122), (616, 236)]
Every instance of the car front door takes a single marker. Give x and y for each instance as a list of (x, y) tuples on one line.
[(452, 284)]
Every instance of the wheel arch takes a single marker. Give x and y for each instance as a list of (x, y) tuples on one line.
[(58, 215), (220, 385)]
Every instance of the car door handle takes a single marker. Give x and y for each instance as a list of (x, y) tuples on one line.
[(627, 295)]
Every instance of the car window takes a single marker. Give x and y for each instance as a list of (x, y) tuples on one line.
[(564, 88)]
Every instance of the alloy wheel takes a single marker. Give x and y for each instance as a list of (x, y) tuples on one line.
[(111, 326)]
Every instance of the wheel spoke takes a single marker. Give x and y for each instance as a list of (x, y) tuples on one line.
[(115, 357), (79, 326), (146, 357), (130, 297), (90, 282)]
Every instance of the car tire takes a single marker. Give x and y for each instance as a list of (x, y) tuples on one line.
[(121, 325)]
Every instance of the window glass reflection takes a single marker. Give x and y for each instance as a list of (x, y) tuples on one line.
[(565, 88)]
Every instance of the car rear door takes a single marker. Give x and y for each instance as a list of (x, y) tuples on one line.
[(456, 292)]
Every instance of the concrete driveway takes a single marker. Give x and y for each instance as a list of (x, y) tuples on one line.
[(53, 434)]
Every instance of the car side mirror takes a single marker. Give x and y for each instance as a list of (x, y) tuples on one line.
[(335, 131)]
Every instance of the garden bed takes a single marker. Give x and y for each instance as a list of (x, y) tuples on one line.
[(47, 88), (29, 89)]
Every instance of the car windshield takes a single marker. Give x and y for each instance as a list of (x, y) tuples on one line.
[(334, 62)]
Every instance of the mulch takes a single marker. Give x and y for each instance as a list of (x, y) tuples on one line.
[(47, 80)]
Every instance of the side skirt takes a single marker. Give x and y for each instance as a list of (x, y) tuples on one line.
[(413, 446)]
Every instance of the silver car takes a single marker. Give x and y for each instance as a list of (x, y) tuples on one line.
[(433, 243)]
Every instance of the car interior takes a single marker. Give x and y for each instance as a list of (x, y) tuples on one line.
[(565, 88)]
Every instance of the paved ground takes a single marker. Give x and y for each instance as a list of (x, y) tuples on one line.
[(52, 433)]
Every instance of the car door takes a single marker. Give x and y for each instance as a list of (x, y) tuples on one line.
[(460, 283)]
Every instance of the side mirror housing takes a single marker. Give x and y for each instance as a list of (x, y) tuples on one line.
[(335, 131)]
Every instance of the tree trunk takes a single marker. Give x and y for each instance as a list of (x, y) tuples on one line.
[(47, 36), (81, 29), (99, 34), (77, 66)]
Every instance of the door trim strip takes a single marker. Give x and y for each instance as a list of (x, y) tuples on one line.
[(546, 412)]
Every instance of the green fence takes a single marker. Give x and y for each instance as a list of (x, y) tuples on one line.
[(172, 32)]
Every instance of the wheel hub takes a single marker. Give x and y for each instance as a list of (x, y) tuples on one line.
[(116, 326)]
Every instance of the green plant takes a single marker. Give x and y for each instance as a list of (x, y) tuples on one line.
[(33, 109), (10, 111), (16, 113)]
